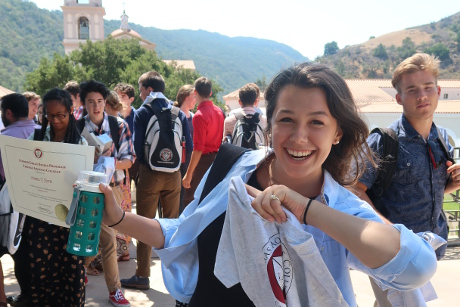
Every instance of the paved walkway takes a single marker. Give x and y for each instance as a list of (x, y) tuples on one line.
[(446, 282)]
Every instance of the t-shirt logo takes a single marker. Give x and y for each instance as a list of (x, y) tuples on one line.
[(279, 269), (38, 153), (166, 154)]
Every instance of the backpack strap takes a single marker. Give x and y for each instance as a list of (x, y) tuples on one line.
[(387, 167), (256, 117), (81, 124), (444, 146), (226, 157), (175, 112), (239, 116), (37, 135), (114, 131)]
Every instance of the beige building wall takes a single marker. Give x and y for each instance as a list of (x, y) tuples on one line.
[(72, 11)]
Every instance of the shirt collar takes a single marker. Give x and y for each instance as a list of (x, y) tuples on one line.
[(407, 130), (153, 96), (94, 127)]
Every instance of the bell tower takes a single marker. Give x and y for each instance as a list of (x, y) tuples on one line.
[(83, 19)]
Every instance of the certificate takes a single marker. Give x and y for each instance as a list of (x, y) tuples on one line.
[(40, 175)]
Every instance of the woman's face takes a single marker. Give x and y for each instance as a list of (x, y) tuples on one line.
[(190, 101), (303, 132), (94, 104), (57, 115), (40, 114)]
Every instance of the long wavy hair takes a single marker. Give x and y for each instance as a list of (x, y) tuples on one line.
[(346, 161)]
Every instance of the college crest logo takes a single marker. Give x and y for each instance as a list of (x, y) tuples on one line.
[(279, 268), (166, 155), (38, 153)]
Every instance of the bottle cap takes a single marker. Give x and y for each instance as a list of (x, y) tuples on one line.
[(89, 181)]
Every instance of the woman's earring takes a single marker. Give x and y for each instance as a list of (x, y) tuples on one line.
[(337, 142)]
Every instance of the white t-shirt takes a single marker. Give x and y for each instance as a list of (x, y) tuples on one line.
[(276, 264)]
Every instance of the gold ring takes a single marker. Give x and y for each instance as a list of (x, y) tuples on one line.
[(274, 197)]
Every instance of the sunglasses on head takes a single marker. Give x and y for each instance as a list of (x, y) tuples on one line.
[(436, 158)]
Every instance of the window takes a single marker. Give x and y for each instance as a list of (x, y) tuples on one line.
[(83, 1), (446, 96), (83, 28)]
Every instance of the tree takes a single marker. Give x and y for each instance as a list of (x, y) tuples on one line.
[(407, 49), (262, 84), (440, 50), (381, 52), (109, 61), (331, 48)]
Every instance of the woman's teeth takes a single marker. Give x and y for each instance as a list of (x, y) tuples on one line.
[(299, 154)]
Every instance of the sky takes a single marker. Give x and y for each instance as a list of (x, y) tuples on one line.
[(305, 25)]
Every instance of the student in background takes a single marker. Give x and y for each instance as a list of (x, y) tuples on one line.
[(74, 90), (93, 95), (114, 107), (424, 173), (186, 101), (208, 126)]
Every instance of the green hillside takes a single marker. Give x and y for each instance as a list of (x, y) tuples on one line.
[(28, 34), (379, 56)]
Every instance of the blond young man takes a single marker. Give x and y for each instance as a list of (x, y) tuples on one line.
[(423, 172)]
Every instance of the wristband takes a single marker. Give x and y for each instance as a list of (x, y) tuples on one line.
[(305, 212), (122, 217)]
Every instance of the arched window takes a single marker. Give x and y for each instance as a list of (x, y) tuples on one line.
[(83, 28)]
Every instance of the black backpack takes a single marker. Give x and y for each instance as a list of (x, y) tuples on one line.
[(387, 165), (247, 132)]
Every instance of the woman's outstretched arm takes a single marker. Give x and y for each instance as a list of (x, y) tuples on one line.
[(143, 229)]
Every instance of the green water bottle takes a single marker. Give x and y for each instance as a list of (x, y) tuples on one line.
[(85, 215)]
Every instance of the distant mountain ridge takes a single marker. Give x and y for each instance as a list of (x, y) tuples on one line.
[(379, 56), (29, 34)]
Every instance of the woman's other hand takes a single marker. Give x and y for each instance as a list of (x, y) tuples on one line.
[(268, 203)]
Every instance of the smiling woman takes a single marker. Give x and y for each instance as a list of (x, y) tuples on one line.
[(316, 135)]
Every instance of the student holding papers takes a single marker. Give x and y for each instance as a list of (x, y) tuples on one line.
[(57, 277)]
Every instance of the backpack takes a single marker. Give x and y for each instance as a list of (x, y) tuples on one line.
[(113, 125), (387, 166), (163, 139), (247, 132), (11, 223)]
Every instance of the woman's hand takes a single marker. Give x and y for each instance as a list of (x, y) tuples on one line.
[(269, 207), (112, 212)]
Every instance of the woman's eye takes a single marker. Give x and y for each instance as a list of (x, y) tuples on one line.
[(317, 122), (286, 119)]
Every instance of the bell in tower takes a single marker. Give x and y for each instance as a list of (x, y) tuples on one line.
[(83, 20)]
